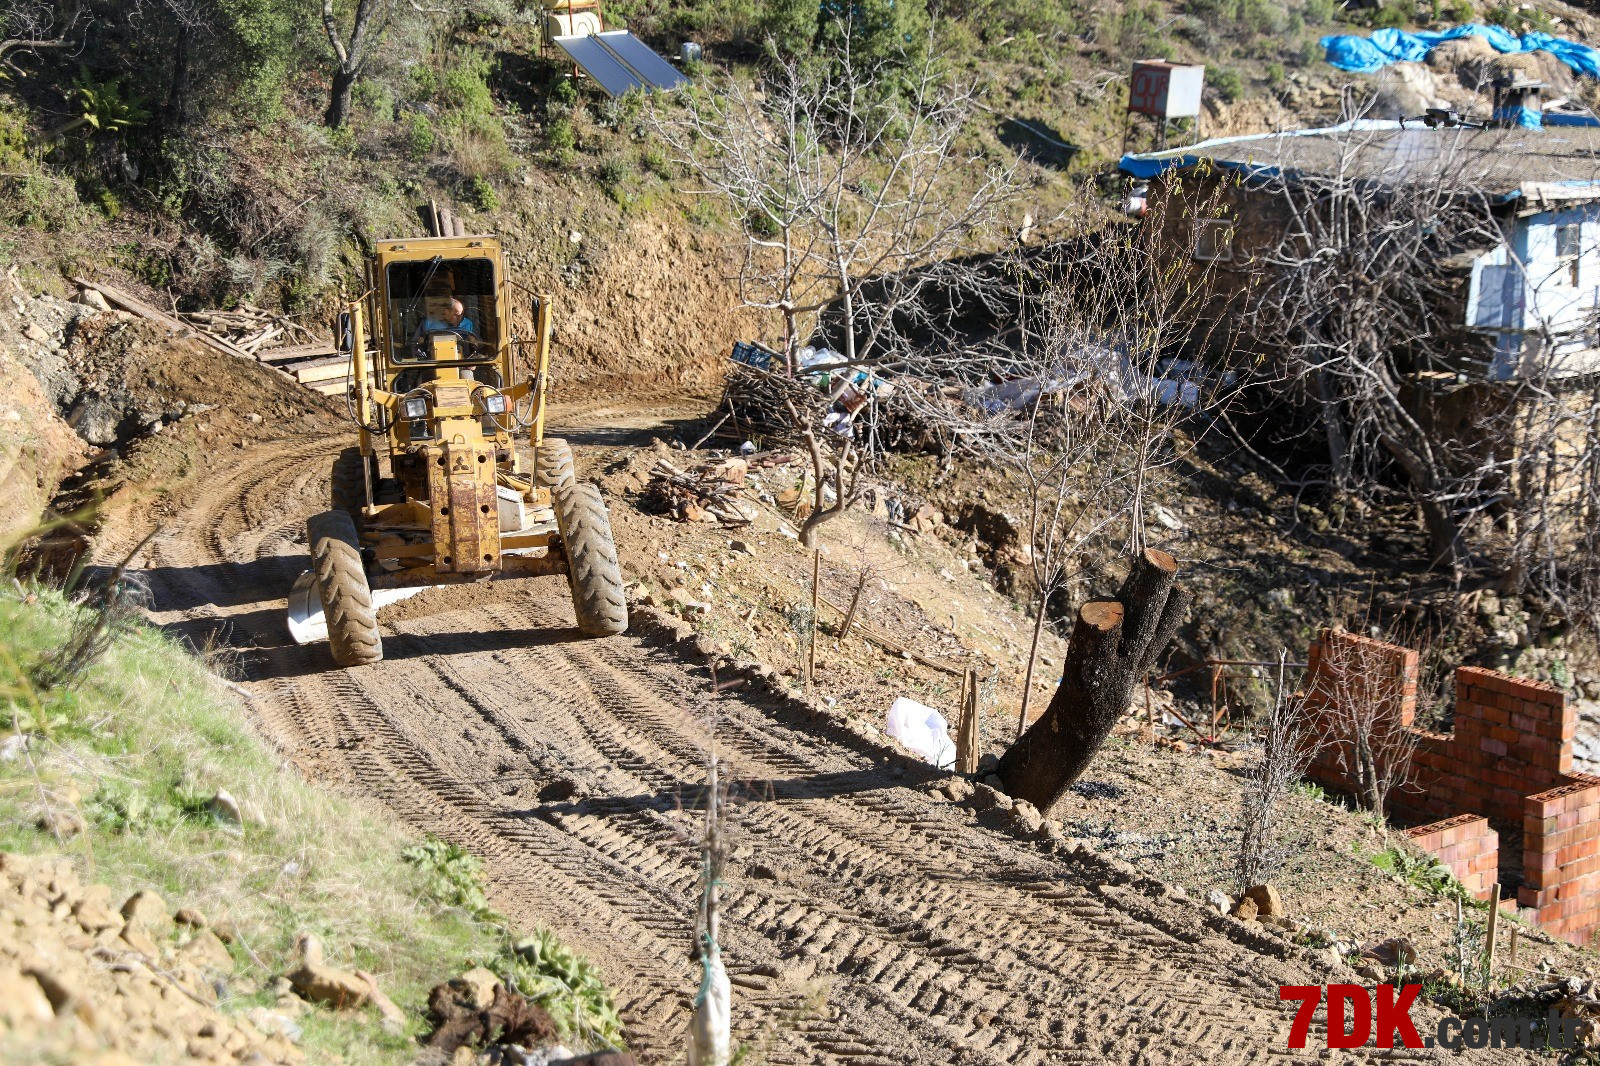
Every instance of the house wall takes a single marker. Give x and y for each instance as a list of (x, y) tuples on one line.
[(1546, 318)]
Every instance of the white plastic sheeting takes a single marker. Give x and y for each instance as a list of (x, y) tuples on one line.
[(923, 730)]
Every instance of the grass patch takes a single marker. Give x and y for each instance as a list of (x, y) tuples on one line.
[(140, 743), (1421, 871)]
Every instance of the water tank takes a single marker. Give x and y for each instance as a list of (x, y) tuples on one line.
[(1166, 90)]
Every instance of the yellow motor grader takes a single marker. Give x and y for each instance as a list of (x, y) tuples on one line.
[(435, 492)]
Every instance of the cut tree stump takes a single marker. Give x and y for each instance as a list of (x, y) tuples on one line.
[(1114, 644)]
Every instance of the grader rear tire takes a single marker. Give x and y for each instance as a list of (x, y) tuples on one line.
[(552, 466), (342, 583), (593, 572), (349, 493)]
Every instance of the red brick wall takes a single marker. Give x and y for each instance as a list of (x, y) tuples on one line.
[(1512, 738), (1467, 846), (1561, 858), (1343, 668), (1508, 760)]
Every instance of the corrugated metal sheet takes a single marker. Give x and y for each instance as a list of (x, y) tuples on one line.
[(601, 64), (619, 61)]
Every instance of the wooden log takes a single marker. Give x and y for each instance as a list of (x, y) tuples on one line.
[(1114, 643)]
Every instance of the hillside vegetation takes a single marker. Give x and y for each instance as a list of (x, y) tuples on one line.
[(187, 145)]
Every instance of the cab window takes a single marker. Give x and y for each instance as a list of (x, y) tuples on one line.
[(452, 297)]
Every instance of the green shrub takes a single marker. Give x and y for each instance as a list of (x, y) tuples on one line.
[(481, 195), (788, 25), (420, 138), (1320, 12), (13, 140), (1274, 74), (42, 200), (464, 86), (424, 81), (564, 91), (563, 138), (1229, 84), (1392, 16), (1459, 12)]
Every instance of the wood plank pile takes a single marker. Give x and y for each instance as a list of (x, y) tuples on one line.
[(246, 332), (250, 329), (759, 402)]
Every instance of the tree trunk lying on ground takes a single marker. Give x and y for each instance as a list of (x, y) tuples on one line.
[(1114, 645)]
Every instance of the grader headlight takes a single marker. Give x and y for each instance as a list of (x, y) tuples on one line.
[(415, 407), (495, 404)]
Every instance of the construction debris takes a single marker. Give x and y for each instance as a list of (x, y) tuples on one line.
[(248, 332)]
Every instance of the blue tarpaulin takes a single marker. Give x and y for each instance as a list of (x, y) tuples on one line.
[(1363, 55)]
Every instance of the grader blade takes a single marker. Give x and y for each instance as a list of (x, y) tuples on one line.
[(305, 619)]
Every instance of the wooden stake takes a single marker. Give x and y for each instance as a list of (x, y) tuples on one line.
[(855, 602), (816, 592), (968, 740), (1494, 925), (1513, 961)]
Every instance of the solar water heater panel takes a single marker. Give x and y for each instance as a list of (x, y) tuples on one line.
[(638, 57), (600, 64)]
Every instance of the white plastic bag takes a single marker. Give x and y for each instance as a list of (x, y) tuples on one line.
[(710, 1030), (923, 730)]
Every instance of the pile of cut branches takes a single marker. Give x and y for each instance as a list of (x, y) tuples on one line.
[(711, 492)]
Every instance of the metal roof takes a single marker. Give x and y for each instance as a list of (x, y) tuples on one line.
[(618, 61), (1542, 165)]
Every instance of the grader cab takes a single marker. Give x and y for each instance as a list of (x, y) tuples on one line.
[(435, 492)]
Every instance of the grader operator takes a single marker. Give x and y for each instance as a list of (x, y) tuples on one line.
[(436, 492)]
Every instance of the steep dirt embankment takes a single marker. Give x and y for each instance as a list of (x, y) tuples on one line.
[(643, 305), (874, 911)]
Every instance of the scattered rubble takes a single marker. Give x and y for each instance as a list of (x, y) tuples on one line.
[(80, 977)]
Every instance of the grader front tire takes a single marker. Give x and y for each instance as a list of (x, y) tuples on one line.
[(552, 466), (593, 572), (342, 583)]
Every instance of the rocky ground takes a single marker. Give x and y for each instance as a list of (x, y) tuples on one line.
[(85, 978)]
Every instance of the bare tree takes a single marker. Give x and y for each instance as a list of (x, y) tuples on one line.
[(1362, 294), (37, 25), (857, 188), (1360, 703), (351, 58), (1357, 287), (859, 199), (1082, 392), (1546, 460), (1288, 744)]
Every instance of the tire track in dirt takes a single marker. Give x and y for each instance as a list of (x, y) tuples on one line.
[(866, 922)]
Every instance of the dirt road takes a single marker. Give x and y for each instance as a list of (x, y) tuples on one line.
[(867, 921)]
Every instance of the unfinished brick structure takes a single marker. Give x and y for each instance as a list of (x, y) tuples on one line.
[(1507, 763)]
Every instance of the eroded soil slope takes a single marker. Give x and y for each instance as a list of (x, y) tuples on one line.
[(868, 917)]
